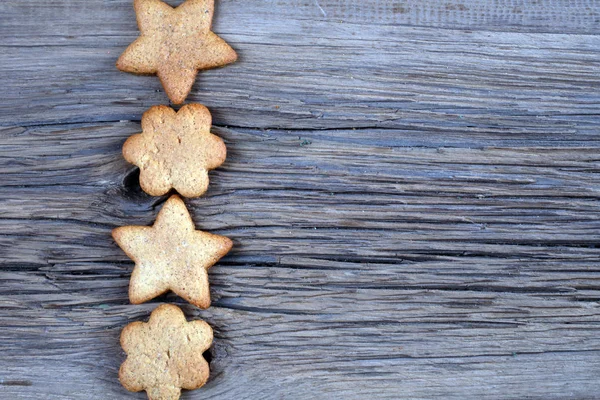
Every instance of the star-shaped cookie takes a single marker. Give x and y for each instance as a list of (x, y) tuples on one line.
[(164, 355), (175, 150), (175, 43), (171, 255)]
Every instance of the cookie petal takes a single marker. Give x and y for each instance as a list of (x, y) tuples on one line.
[(129, 377), (196, 374), (156, 117), (129, 335), (169, 313), (190, 183), (134, 149), (196, 115), (155, 178), (218, 151), (164, 392), (200, 335)]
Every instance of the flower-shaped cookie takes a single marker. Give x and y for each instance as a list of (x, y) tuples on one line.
[(175, 150), (171, 255), (164, 355), (174, 44)]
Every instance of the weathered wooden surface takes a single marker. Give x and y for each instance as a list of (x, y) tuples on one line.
[(412, 187)]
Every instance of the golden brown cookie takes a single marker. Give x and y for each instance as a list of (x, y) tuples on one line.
[(164, 355), (171, 255), (175, 150), (175, 43)]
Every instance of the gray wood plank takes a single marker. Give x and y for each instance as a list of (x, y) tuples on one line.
[(428, 267), (300, 74), (412, 188)]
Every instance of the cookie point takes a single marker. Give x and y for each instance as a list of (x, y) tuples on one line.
[(134, 300), (175, 199), (175, 96), (227, 244), (203, 303), (233, 57), (116, 233), (169, 307), (119, 64)]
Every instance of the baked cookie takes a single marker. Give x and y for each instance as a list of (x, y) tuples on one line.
[(175, 43), (164, 355), (175, 150), (171, 255)]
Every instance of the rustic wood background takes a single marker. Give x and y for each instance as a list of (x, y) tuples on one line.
[(412, 186)]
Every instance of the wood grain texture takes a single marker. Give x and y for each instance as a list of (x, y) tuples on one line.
[(412, 188)]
